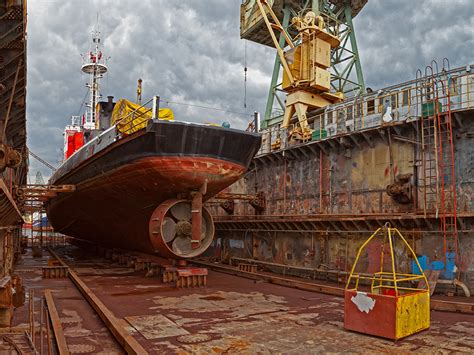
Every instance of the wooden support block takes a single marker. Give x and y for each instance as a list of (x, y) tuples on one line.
[(122, 259), (153, 269), (115, 256), (139, 264), (247, 267), (131, 261), (108, 254), (191, 277), (55, 272)]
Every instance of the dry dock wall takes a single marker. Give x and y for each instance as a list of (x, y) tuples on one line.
[(322, 202)]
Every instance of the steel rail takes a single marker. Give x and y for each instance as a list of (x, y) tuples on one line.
[(56, 323), (116, 326)]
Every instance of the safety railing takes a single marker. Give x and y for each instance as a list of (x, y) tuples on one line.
[(404, 102), (389, 279)]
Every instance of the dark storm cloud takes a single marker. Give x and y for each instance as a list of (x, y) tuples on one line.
[(190, 51), (395, 37)]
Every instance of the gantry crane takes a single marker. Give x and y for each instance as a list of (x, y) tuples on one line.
[(306, 78), (256, 18)]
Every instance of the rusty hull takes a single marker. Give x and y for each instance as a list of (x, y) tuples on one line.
[(115, 208), (121, 182), (324, 198)]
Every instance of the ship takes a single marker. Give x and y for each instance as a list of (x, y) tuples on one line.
[(141, 177)]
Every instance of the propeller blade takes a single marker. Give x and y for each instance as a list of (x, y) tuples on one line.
[(181, 211), (182, 245), (168, 229)]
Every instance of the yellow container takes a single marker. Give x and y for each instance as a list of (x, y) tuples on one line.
[(412, 314)]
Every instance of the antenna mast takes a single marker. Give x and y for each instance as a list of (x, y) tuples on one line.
[(94, 65)]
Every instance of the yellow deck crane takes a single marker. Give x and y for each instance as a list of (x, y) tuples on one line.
[(306, 78)]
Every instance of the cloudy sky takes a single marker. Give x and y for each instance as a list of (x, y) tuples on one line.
[(191, 52)]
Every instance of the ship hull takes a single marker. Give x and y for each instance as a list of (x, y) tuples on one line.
[(118, 188)]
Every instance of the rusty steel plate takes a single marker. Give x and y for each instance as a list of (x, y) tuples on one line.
[(156, 326), (193, 338)]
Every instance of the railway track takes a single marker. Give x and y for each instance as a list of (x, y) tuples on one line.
[(116, 326)]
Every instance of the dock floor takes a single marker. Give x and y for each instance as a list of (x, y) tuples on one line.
[(230, 315)]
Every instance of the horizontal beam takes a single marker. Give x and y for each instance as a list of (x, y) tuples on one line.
[(56, 323)]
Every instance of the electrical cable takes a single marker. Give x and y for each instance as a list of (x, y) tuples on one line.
[(206, 107), (83, 102)]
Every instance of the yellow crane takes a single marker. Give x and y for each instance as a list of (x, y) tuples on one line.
[(306, 78)]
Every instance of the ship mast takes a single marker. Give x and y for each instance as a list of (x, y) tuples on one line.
[(94, 65)]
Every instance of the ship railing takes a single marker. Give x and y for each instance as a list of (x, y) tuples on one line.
[(139, 117), (405, 102)]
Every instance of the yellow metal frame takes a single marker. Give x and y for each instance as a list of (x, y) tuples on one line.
[(387, 279), (301, 96)]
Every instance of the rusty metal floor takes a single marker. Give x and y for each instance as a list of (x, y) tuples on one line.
[(230, 315), (83, 329)]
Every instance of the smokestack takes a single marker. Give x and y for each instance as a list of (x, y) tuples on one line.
[(110, 103)]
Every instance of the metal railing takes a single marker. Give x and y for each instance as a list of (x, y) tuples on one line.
[(404, 102), (138, 117)]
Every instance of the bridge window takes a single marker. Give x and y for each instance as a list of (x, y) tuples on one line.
[(370, 106), (330, 120), (453, 87), (406, 97), (358, 110), (349, 112), (393, 101)]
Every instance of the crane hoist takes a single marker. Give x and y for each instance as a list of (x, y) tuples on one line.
[(306, 78)]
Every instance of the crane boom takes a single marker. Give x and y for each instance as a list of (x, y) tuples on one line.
[(306, 78), (264, 7), (44, 162)]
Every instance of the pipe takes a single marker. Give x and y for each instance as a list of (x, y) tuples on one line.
[(320, 180), (463, 286), (322, 231), (302, 268), (256, 118)]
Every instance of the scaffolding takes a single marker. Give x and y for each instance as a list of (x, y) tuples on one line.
[(346, 70)]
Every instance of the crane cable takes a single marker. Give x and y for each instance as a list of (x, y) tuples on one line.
[(245, 75), (44, 162)]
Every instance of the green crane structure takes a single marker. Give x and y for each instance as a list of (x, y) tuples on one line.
[(346, 69)]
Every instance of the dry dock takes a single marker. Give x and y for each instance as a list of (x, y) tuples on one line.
[(231, 314), (261, 246)]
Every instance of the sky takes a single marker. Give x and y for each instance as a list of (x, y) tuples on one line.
[(190, 53)]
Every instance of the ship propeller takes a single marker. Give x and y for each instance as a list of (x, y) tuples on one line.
[(172, 220)]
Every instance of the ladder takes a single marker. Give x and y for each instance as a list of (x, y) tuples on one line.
[(429, 156), (446, 158), (438, 172)]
